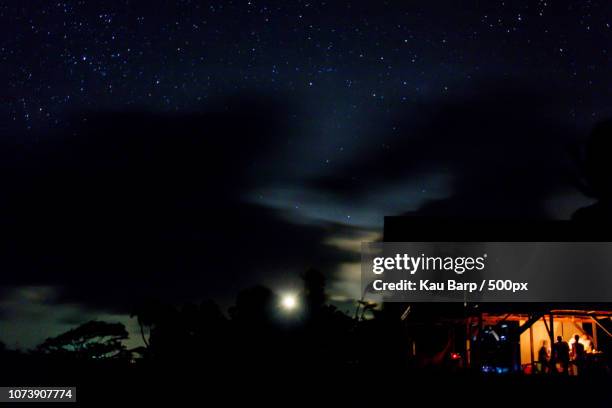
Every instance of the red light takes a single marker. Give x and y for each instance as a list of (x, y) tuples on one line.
[(455, 356)]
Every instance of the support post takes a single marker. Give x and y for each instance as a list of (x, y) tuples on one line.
[(551, 334), (531, 345)]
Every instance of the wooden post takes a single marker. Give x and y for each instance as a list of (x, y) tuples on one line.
[(468, 348), (551, 334), (531, 345), (552, 329)]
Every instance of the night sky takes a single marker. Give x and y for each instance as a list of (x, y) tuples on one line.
[(185, 150)]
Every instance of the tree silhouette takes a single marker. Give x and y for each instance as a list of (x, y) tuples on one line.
[(314, 290), (254, 307), (147, 314), (189, 333), (92, 341)]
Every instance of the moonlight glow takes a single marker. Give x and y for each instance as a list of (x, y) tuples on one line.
[(289, 302)]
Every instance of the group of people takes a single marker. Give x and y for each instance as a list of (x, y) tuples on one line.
[(567, 358)]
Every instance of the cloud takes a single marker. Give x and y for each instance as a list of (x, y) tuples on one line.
[(119, 207), (30, 314), (503, 151), (125, 206)]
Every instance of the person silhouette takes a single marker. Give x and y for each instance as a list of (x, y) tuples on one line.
[(543, 358), (597, 175), (577, 355), (562, 354)]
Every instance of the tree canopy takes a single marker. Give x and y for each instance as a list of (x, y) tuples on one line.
[(91, 340)]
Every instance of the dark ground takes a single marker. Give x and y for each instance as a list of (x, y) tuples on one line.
[(140, 385)]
